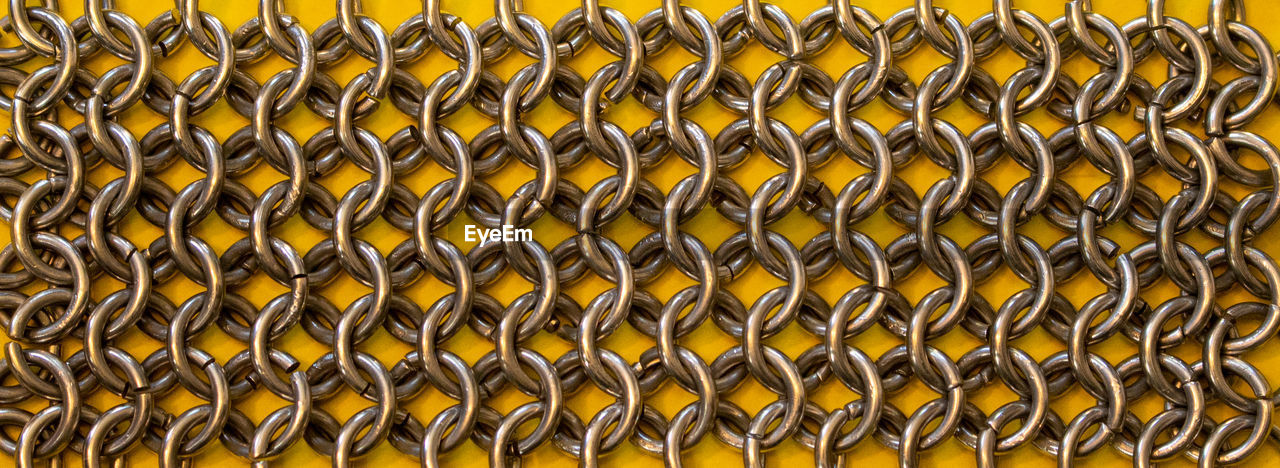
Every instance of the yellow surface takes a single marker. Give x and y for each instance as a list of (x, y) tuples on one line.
[(708, 341)]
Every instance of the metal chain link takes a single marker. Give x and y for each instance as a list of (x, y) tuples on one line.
[(67, 233)]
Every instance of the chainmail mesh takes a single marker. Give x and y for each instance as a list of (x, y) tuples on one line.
[(284, 261)]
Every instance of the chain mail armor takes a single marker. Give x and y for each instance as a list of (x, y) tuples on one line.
[(1161, 99)]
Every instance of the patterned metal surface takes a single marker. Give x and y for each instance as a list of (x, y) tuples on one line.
[(72, 174)]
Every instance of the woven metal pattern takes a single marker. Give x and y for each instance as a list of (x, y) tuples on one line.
[(1162, 98)]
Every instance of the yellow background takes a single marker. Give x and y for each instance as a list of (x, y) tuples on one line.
[(708, 340)]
